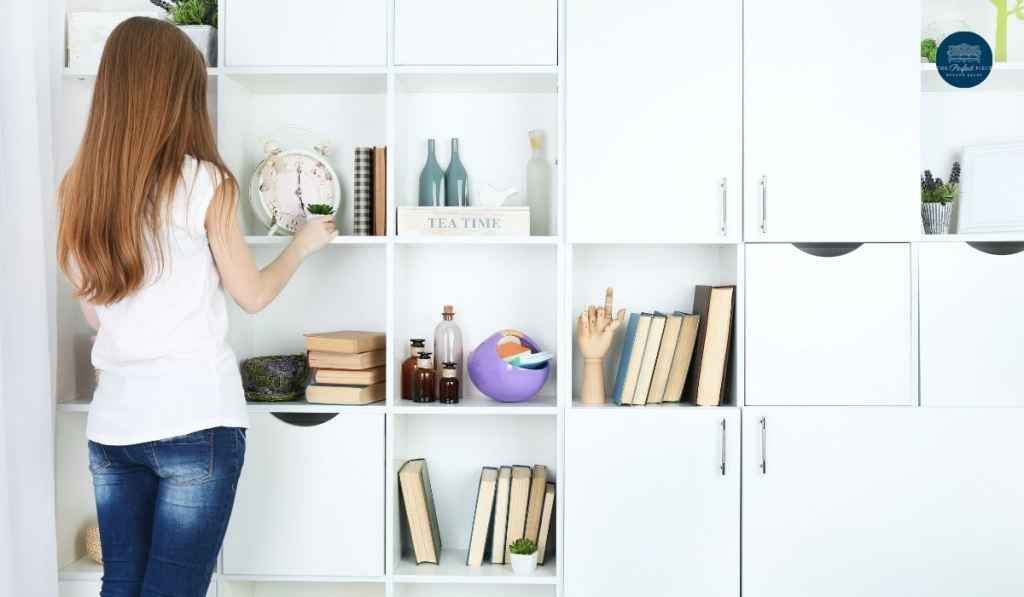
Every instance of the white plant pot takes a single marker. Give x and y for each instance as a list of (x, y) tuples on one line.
[(205, 38), (524, 565)]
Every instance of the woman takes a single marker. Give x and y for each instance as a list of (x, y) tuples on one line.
[(148, 238)]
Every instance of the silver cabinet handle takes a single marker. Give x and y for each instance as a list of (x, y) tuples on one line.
[(764, 203), (723, 447), (764, 446), (725, 204)]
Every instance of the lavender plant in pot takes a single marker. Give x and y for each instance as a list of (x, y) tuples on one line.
[(937, 199), (524, 556), (198, 20)]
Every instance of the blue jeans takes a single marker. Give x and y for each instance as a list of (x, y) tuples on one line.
[(163, 508)]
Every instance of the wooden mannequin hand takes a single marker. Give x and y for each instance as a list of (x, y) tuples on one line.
[(596, 327)]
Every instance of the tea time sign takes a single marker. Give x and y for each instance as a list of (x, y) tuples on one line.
[(464, 221)]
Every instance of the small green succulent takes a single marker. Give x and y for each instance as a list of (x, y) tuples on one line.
[(523, 547), (320, 209)]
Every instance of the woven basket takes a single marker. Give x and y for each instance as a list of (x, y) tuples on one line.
[(92, 544)]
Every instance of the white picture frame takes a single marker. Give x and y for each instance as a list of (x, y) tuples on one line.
[(992, 189)]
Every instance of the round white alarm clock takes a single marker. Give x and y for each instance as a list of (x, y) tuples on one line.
[(286, 183)]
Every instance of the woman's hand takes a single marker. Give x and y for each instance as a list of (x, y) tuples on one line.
[(314, 235)]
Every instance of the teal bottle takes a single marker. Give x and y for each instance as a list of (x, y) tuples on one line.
[(431, 180), (456, 181)]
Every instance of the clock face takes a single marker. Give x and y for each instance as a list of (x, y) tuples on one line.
[(287, 183)]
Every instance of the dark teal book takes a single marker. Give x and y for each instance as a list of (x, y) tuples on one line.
[(627, 349)]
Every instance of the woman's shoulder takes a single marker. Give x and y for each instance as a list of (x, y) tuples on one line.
[(200, 175)]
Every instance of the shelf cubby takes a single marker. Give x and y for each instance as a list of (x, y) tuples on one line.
[(490, 112), (473, 586), (456, 448), (492, 288), (298, 111), (648, 277)]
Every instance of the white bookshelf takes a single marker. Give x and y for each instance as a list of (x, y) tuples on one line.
[(539, 283)]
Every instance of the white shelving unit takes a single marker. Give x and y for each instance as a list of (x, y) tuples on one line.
[(628, 474)]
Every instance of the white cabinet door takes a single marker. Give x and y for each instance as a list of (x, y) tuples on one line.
[(882, 501), (653, 92), (649, 509), (311, 498), (832, 103), (305, 33), (828, 330), (971, 324), (475, 32)]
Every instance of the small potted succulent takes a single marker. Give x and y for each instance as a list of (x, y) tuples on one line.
[(929, 50), (198, 19), (937, 199), (318, 210), (524, 556)]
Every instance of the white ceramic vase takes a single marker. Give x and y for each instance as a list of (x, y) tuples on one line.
[(524, 565), (205, 38)]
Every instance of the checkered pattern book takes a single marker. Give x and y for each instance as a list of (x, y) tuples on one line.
[(362, 192)]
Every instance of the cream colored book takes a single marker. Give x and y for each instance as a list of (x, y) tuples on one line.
[(636, 356), (346, 342), (663, 365), (319, 359), (501, 515), (545, 522), (482, 516), (651, 348), (519, 497), (535, 506), (350, 395), (420, 514), (345, 377), (713, 350), (682, 358)]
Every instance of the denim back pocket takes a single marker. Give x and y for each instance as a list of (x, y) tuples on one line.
[(185, 459)]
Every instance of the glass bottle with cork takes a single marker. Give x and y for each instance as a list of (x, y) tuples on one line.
[(448, 391), (416, 346), (448, 342), (425, 382)]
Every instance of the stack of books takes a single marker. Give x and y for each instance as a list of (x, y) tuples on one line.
[(682, 357), (347, 367), (512, 502)]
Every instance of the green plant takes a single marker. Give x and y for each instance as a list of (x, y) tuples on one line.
[(523, 547), (933, 190), (320, 209), (190, 12), (929, 49)]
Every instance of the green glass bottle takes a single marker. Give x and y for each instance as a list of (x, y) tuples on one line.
[(456, 181), (431, 180)]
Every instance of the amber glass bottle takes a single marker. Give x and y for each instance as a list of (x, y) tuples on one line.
[(425, 382), (448, 390), (417, 345)]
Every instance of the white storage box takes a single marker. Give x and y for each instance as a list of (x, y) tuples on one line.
[(464, 221), (88, 33)]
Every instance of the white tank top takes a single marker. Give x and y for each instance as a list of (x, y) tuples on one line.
[(165, 366)]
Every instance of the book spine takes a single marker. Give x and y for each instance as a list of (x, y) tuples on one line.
[(627, 347), (362, 191)]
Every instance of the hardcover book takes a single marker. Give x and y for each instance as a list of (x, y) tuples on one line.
[(345, 377), (663, 366), (651, 350), (346, 342), (319, 359), (482, 516), (682, 357), (347, 395), (519, 497), (715, 305), (500, 515), (420, 514)]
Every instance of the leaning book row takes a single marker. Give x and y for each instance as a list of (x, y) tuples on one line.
[(681, 357), (512, 503)]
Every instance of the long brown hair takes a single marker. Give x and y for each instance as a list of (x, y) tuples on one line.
[(148, 113)]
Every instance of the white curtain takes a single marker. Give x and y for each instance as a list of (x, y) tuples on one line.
[(28, 77)]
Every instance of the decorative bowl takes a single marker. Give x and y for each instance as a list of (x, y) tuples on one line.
[(500, 380), (275, 378)]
